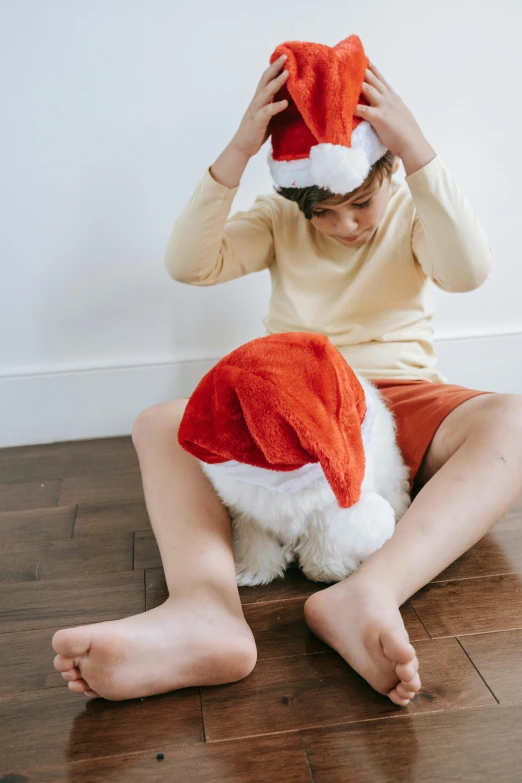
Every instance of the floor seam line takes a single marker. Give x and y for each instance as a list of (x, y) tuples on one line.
[(476, 668), (202, 716), (301, 738)]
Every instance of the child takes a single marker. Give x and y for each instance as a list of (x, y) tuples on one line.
[(356, 269)]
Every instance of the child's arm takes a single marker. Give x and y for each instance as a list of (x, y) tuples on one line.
[(205, 245), (447, 240)]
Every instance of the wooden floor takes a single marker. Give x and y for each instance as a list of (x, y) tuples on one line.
[(76, 547)]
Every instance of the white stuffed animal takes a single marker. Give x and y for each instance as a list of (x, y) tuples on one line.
[(282, 513)]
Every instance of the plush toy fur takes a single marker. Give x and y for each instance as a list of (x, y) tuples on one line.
[(270, 530)]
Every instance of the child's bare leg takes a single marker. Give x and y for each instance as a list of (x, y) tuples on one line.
[(199, 635), (473, 471)]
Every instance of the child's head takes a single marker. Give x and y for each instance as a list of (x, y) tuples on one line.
[(356, 214)]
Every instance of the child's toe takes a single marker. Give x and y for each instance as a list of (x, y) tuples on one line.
[(395, 645), (78, 686), (407, 671), (412, 685), (396, 699), (63, 664), (403, 692), (71, 674), (72, 642)]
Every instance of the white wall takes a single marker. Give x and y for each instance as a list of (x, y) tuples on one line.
[(111, 111)]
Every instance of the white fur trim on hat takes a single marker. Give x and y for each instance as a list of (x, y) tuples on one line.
[(338, 168), (310, 476)]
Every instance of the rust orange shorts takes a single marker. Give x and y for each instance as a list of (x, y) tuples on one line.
[(419, 407)]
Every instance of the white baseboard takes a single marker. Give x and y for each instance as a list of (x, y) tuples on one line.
[(78, 404)]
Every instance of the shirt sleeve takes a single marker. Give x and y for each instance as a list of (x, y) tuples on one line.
[(447, 239), (207, 247)]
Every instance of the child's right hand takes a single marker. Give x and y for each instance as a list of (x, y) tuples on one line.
[(253, 130)]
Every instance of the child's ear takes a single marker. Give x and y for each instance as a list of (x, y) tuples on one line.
[(396, 165)]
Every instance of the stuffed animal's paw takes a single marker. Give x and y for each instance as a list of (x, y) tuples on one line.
[(258, 555), (257, 576), (345, 538)]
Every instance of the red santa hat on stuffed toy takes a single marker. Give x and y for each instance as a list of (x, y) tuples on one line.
[(282, 403), (317, 140)]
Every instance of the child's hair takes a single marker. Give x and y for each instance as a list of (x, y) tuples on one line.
[(308, 198)]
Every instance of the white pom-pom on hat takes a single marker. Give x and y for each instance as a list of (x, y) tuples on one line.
[(337, 168)]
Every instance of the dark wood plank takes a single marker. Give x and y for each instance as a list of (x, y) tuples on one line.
[(25, 606), (36, 494), (257, 760), (101, 489), (58, 558), (64, 460), (146, 552), (415, 628), (121, 517), (36, 524), (290, 689), (52, 726), (470, 605), (280, 629), (286, 694), (498, 657), (93, 447), (26, 661), (468, 746), (500, 552), (294, 585)]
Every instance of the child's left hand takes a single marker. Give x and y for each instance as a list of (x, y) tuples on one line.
[(393, 122)]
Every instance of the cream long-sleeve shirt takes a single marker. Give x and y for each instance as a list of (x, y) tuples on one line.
[(373, 302)]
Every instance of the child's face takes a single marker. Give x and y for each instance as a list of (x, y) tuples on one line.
[(353, 222)]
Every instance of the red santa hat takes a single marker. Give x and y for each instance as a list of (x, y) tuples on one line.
[(317, 140), (280, 403)]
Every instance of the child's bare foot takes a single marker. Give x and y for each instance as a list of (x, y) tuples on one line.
[(364, 625), (183, 642)]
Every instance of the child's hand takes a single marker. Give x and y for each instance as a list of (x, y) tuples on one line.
[(252, 132), (393, 122)]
